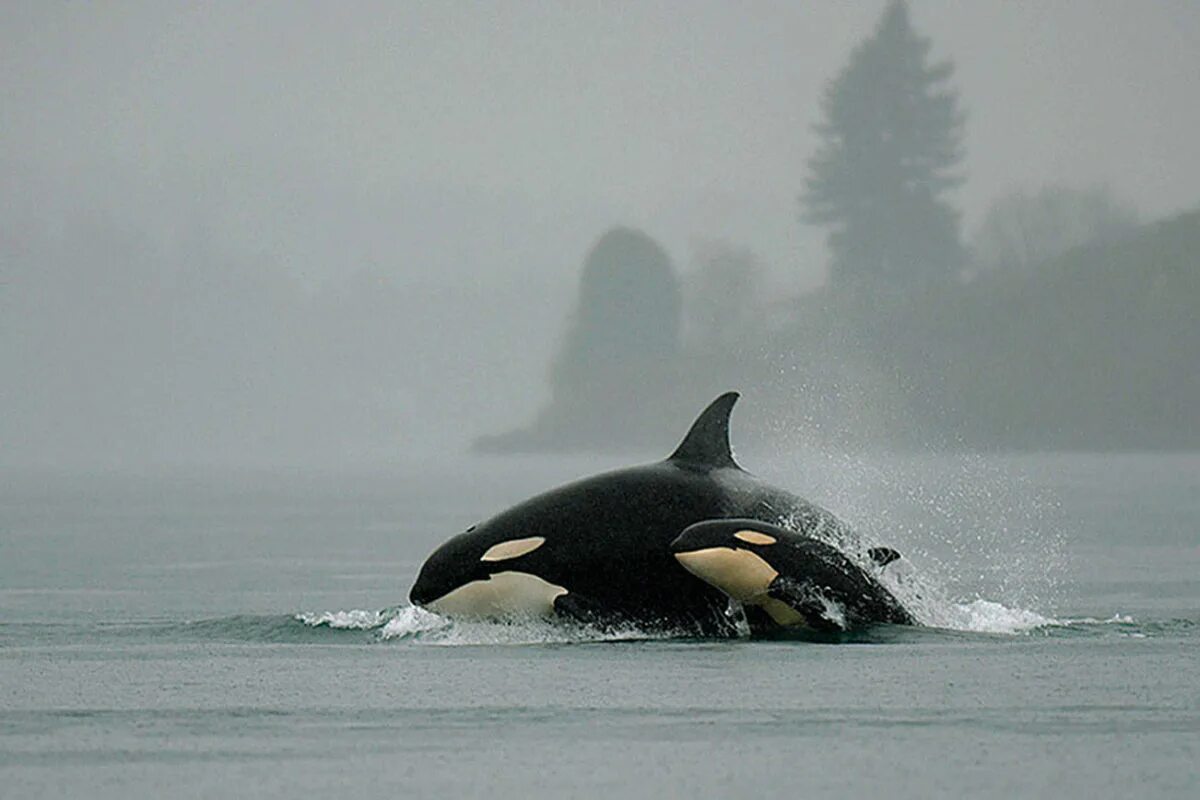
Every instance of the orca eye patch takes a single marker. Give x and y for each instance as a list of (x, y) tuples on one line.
[(754, 537), (512, 548)]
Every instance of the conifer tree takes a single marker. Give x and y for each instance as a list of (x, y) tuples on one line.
[(890, 140)]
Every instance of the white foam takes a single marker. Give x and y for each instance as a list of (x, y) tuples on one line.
[(833, 612), (988, 616), (355, 619), (422, 626), (1115, 619), (426, 627), (409, 621)]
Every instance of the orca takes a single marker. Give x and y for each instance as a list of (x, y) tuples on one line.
[(599, 550), (798, 581)]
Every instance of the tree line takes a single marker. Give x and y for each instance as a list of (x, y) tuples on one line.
[(1022, 338)]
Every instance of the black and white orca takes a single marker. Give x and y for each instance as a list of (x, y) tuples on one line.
[(599, 550), (797, 580)]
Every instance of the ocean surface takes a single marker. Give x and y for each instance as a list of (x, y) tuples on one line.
[(212, 633)]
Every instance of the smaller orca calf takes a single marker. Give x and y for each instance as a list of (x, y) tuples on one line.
[(798, 581)]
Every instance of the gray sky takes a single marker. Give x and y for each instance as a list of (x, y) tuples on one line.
[(690, 119), (480, 149)]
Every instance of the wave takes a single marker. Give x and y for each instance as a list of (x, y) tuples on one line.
[(983, 617), (410, 625)]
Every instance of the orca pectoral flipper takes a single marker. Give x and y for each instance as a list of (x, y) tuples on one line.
[(806, 600)]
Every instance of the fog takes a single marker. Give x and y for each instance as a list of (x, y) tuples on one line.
[(313, 233)]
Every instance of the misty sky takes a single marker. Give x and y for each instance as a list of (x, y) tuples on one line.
[(692, 120), (482, 148)]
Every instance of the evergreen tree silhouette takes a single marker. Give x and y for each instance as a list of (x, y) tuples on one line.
[(890, 141)]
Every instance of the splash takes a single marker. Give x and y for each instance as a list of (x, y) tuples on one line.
[(988, 616), (924, 596), (984, 544), (419, 626), (356, 619), (415, 625)]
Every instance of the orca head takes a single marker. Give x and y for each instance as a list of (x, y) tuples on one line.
[(733, 555), (487, 571)]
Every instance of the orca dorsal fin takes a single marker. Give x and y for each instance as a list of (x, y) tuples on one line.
[(707, 441)]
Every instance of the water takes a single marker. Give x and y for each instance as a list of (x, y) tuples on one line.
[(233, 634)]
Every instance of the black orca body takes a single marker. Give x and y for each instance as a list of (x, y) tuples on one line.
[(599, 550), (797, 580)]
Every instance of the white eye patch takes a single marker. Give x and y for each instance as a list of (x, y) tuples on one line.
[(754, 537), (512, 548)]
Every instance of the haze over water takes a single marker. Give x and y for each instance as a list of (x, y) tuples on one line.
[(291, 234)]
